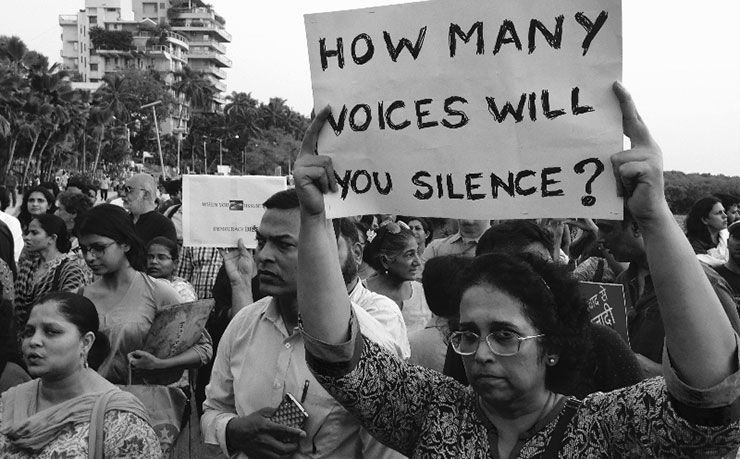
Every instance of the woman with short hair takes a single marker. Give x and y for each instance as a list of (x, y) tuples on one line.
[(520, 326)]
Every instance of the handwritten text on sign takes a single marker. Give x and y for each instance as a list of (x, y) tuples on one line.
[(217, 211), (472, 109)]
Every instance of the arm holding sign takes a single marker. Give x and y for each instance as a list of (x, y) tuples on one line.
[(700, 340), (239, 266)]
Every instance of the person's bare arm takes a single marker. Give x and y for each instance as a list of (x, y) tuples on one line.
[(700, 340)]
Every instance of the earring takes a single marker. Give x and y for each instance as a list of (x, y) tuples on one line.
[(84, 361), (551, 361)]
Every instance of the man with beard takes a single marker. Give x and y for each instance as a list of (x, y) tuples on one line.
[(261, 358), (730, 271), (380, 307)]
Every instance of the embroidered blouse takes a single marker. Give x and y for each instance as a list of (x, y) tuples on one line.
[(424, 414)]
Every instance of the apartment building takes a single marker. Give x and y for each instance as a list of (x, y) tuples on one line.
[(110, 35)]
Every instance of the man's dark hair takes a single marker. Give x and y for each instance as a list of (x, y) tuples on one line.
[(283, 200), (512, 236), (346, 228)]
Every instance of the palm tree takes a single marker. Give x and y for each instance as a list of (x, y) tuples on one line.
[(111, 100), (195, 86)]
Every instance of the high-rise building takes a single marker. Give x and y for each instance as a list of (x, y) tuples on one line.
[(110, 35)]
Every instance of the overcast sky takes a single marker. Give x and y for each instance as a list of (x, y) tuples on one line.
[(681, 63)]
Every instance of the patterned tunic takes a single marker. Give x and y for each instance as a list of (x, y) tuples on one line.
[(29, 286), (126, 435), (424, 414)]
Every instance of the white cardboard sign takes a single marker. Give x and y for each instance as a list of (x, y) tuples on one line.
[(217, 211), (471, 109)]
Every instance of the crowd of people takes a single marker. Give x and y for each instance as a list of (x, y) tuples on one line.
[(400, 336)]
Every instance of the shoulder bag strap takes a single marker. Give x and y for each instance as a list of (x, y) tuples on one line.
[(556, 438), (97, 423)]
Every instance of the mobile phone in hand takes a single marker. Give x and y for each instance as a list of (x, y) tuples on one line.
[(290, 413)]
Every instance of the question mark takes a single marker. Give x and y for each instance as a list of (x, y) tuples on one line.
[(580, 168)]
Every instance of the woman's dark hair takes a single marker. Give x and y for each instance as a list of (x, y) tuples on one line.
[(81, 312), (54, 225), (167, 243), (441, 281), (24, 216), (113, 222), (425, 223), (728, 200), (512, 236), (551, 301), (75, 203), (695, 227), (389, 241)]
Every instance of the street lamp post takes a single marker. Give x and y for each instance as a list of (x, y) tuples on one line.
[(156, 127), (220, 152), (205, 157)]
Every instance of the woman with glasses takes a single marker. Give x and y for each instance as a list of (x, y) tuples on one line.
[(520, 326), (126, 298), (393, 254), (48, 268)]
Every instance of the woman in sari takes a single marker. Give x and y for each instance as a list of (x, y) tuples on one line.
[(54, 415)]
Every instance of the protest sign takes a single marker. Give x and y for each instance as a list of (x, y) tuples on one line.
[(217, 211), (473, 109), (606, 305), (175, 329)]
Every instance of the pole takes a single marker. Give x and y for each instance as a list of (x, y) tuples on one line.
[(205, 160), (220, 152), (179, 140), (159, 143)]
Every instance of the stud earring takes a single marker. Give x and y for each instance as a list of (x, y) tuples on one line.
[(551, 361)]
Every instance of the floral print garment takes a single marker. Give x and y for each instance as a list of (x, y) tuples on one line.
[(424, 414), (127, 436)]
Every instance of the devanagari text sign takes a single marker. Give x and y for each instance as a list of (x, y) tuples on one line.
[(217, 210), (471, 109), (606, 305)]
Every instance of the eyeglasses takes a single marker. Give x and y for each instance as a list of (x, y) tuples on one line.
[(97, 250), (127, 189), (503, 343)]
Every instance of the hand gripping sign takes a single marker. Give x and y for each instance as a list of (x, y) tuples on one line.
[(472, 109)]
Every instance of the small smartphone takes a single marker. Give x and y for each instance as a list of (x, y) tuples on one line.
[(290, 413)]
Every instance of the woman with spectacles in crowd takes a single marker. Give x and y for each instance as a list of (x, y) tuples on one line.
[(48, 268), (519, 323), (126, 298), (393, 253)]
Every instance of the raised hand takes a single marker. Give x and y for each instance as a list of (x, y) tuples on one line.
[(238, 263), (314, 174), (639, 170)]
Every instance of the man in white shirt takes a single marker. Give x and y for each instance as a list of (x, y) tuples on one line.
[(261, 358), (380, 307), (14, 225)]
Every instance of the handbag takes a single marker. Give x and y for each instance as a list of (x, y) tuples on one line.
[(165, 405)]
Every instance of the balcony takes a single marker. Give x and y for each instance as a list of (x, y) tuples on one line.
[(209, 43), (67, 19), (219, 59), (214, 29), (220, 74), (171, 37)]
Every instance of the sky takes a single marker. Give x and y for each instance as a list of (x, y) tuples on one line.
[(680, 62)]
